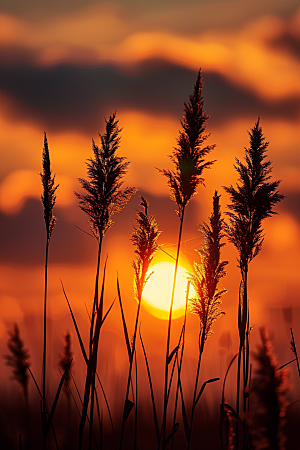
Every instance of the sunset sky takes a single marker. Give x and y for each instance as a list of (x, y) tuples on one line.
[(65, 65)]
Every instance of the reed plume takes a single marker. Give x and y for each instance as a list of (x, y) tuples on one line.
[(66, 362), (103, 195), (48, 201), (188, 156), (206, 303), (18, 359), (270, 387), (189, 160), (144, 237), (49, 190), (252, 201)]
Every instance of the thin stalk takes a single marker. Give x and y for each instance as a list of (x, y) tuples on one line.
[(243, 318), (95, 307), (92, 412), (136, 403), (45, 340), (163, 434), (202, 342), (238, 395), (96, 296), (92, 361), (131, 358), (246, 378), (181, 358)]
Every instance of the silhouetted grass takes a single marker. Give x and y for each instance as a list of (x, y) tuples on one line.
[(251, 202), (188, 158)]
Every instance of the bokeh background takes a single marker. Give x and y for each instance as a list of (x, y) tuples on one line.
[(67, 65)]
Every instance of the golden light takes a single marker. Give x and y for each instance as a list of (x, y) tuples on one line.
[(157, 292)]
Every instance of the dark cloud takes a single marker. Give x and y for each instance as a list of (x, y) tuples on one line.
[(20, 8), (288, 44), (22, 235), (78, 97)]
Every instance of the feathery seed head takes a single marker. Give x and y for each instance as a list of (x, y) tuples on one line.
[(64, 361), (207, 300), (270, 387), (252, 200), (189, 154), (104, 196), (48, 197), (18, 359), (144, 237)]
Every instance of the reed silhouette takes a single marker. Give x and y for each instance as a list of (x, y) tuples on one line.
[(48, 200), (189, 160), (101, 196), (252, 201)]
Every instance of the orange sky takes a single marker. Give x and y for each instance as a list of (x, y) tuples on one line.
[(62, 71)]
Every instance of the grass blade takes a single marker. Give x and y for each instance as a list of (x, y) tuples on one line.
[(151, 390), (108, 409), (286, 364), (108, 311), (41, 395), (49, 421), (294, 350), (174, 429), (212, 380), (184, 414), (123, 321), (92, 363), (75, 325), (127, 409), (170, 357)]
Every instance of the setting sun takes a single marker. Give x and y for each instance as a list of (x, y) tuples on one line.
[(157, 292)]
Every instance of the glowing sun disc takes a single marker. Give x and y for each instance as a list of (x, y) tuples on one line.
[(158, 290)]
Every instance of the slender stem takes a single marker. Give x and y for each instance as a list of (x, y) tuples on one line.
[(163, 434), (242, 333), (96, 295), (45, 339), (95, 307), (131, 360), (92, 412), (238, 395), (202, 342), (136, 403), (181, 358), (246, 376)]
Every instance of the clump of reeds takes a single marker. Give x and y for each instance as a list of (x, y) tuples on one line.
[(66, 362), (18, 360), (206, 303), (252, 201), (270, 386), (144, 237), (189, 160), (102, 198)]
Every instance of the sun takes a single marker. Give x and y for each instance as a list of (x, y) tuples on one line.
[(157, 292)]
